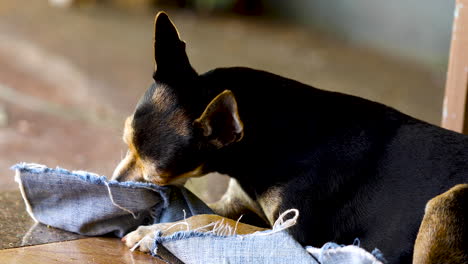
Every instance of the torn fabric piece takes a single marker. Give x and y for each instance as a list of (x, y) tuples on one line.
[(280, 247), (88, 204), (270, 246)]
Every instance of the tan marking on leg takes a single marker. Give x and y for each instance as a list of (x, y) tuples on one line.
[(235, 202), (270, 202)]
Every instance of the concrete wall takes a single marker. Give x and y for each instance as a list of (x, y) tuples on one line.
[(418, 30)]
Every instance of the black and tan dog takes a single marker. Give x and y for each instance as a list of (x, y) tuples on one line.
[(352, 167)]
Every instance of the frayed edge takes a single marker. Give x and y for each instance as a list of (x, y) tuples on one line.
[(379, 255), (333, 248), (219, 230), (179, 235), (90, 177), (222, 230), (357, 243), (159, 239)]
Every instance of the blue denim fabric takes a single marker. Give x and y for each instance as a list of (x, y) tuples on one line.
[(267, 247), (88, 204)]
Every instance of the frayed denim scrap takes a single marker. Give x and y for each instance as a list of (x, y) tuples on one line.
[(89, 204), (267, 247), (196, 247), (280, 247)]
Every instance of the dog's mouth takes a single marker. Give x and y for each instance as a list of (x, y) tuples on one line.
[(130, 170), (178, 180), (165, 181)]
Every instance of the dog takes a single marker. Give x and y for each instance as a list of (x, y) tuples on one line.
[(352, 167)]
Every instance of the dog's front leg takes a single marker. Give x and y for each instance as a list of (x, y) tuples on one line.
[(143, 237), (236, 203)]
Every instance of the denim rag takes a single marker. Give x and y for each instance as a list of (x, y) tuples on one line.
[(89, 204)]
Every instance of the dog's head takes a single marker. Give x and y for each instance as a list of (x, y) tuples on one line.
[(174, 129)]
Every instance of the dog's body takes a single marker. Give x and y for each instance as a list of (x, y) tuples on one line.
[(353, 168)]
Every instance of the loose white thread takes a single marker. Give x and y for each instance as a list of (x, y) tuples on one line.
[(237, 223), (184, 222), (179, 223), (218, 226), (281, 224), (205, 226), (114, 203)]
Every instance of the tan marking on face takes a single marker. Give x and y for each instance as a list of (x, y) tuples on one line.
[(179, 122), (126, 170), (148, 169), (179, 180), (131, 167), (162, 98), (128, 131), (270, 202)]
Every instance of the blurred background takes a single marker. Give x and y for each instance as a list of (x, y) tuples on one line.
[(72, 70)]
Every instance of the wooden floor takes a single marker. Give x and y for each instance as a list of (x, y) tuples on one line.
[(23, 241), (89, 250)]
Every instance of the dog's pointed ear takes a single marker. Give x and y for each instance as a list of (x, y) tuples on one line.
[(169, 50), (220, 122)]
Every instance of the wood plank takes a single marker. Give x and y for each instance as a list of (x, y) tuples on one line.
[(456, 89), (89, 250)]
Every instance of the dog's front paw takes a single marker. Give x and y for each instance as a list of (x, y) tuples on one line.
[(143, 237)]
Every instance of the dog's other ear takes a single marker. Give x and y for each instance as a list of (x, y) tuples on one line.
[(220, 122), (169, 51)]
